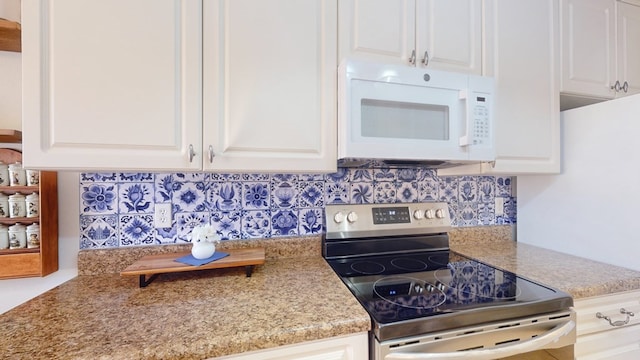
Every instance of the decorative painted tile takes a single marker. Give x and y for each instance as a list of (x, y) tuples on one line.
[(510, 212), (407, 192), (407, 175), (98, 177), (448, 189), (362, 193), (135, 198), (311, 194), (163, 187), (340, 176), (225, 177), (255, 177), (311, 177), (135, 177), (336, 193), (384, 174), (311, 222), (255, 195), (361, 175), (185, 222), (227, 224), (284, 194), (100, 231), (98, 198), (167, 235), (486, 189), (256, 224), (503, 186), (189, 197), (196, 177), (468, 214), (224, 196), (486, 214), (136, 230), (427, 174), (284, 222), (280, 178), (384, 192), (468, 189), (454, 213), (428, 190)]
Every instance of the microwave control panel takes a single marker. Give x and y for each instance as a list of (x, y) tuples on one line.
[(481, 125)]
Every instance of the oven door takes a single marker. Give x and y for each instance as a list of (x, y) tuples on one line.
[(537, 337)]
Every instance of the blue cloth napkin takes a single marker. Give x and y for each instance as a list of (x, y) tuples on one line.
[(190, 260)]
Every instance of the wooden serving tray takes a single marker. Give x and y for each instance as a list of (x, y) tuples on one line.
[(153, 265)]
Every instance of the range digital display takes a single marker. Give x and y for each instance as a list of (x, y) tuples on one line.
[(391, 215)]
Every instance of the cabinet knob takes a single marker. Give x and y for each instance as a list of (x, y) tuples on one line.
[(625, 86), (617, 87), (211, 154), (412, 58), (425, 59), (192, 153)]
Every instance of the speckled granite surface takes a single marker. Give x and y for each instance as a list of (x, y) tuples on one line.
[(219, 312)]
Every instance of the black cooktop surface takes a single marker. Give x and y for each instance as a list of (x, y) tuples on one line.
[(395, 288)]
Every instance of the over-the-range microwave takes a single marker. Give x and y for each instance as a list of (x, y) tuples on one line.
[(406, 115)]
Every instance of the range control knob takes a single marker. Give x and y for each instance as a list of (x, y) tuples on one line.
[(338, 217), (352, 217), (440, 213), (430, 214), (418, 214)]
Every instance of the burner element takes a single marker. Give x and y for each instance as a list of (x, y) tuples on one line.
[(409, 264), (367, 267)]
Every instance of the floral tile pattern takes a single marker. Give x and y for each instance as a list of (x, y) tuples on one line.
[(117, 209)]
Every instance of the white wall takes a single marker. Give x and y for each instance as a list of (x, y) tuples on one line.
[(16, 291)]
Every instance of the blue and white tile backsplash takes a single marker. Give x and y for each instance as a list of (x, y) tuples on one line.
[(116, 209)]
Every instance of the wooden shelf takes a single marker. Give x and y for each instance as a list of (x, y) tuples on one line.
[(7, 135), (10, 36)]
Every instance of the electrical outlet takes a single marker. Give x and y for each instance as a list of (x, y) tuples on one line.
[(499, 206), (162, 215)]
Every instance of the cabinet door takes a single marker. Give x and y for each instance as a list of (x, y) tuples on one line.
[(270, 85), (378, 30), (619, 344), (628, 49), (111, 84), (588, 47), (449, 34), (526, 111)]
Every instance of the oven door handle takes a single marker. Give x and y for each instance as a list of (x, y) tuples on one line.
[(521, 347)]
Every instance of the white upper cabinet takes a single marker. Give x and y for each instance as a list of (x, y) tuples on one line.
[(111, 84), (599, 48), (445, 35), (242, 85), (270, 85), (524, 35)]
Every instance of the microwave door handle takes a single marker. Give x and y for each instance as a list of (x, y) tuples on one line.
[(465, 139), (521, 347)]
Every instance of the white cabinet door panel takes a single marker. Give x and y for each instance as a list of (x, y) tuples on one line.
[(113, 84), (629, 46), (270, 85)]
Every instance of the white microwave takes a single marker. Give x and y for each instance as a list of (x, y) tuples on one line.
[(403, 114)]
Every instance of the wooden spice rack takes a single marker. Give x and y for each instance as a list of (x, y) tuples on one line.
[(10, 36), (153, 265), (17, 263)]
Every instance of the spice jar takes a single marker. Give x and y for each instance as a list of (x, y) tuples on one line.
[(4, 174), (4, 205), (17, 206), (4, 237), (17, 237), (33, 177), (32, 204), (17, 176), (33, 236)]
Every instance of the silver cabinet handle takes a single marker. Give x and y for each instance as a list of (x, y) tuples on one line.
[(619, 322), (425, 59), (625, 87), (211, 154), (192, 153), (616, 86), (412, 59)]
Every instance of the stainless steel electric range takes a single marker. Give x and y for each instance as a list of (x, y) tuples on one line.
[(428, 302)]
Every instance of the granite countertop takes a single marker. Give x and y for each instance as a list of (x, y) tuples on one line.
[(292, 298), (192, 315)]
